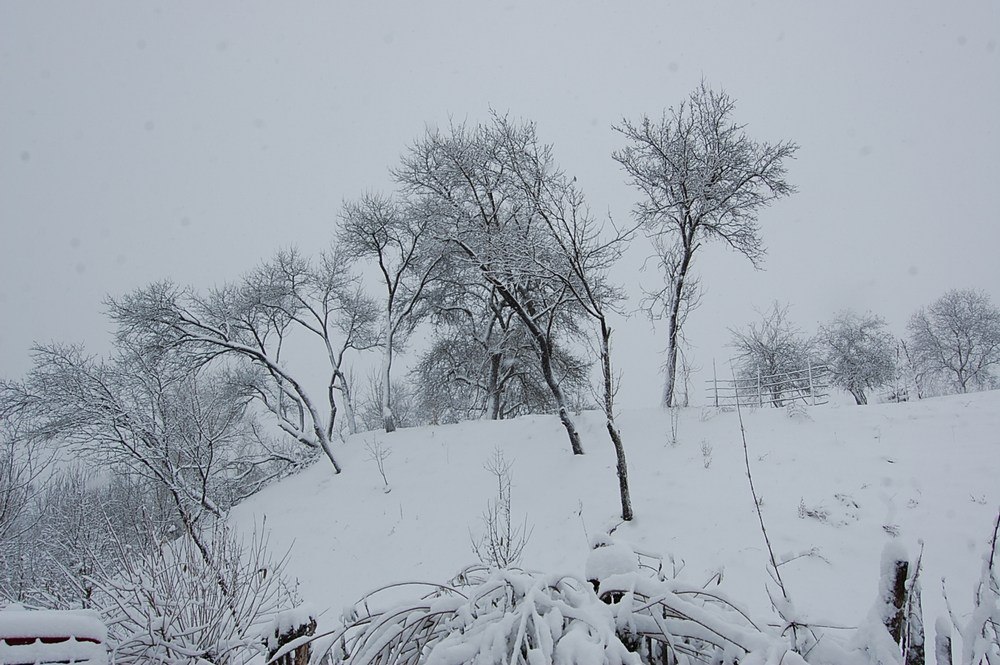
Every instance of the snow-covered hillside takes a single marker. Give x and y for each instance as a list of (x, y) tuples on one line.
[(835, 482)]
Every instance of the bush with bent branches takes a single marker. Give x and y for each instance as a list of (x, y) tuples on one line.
[(194, 601), (513, 617)]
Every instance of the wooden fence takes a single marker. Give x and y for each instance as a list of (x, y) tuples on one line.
[(809, 385)]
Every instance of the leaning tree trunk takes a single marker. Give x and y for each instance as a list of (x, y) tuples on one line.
[(347, 397), (524, 313), (545, 351), (609, 414)]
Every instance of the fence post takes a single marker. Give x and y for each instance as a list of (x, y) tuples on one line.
[(715, 384), (812, 390), (760, 395), (288, 626)]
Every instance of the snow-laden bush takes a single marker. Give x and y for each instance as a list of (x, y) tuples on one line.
[(514, 617), (501, 616), (627, 611), (979, 631), (194, 601)]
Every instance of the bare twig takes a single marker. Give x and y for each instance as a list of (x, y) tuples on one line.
[(775, 573)]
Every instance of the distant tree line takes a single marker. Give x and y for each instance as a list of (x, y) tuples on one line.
[(951, 346)]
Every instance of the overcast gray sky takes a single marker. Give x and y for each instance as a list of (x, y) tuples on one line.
[(189, 140)]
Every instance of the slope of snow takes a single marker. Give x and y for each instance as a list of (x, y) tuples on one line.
[(836, 485)]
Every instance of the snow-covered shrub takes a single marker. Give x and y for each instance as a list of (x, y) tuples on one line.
[(507, 617), (626, 614), (979, 633), (70, 525), (626, 611), (193, 601)]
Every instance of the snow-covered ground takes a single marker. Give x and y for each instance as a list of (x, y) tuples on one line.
[(837, 482)]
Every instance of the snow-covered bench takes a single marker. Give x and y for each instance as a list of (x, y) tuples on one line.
[(29, 637)]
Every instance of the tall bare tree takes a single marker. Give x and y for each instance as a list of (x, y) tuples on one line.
[(958, 336), (583, 259), (399, 239), (152, 414), (860, 352), (482, 362), (23, 461), (702, 178), (480, 184), (249, 322)]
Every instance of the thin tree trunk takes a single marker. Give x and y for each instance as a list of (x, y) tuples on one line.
[(545, 351), (673, 330), (609, 413), (330, 391), (858, 393), (328, 449), (388, 420), (493, 387), (524, 313), (942, 643), (668, 388), (348, 398)]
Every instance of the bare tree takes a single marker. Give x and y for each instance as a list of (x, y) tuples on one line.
[(399, 238), (480, 350), (958, 335), (23, 460), (770, 348), (23, 463), (702, 179), (859, 351), (249, 323), (71, 521), (372, 400), (483, 363), (480, 184), (179, 426), (582, 256), (502, 541), (323, 299)]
